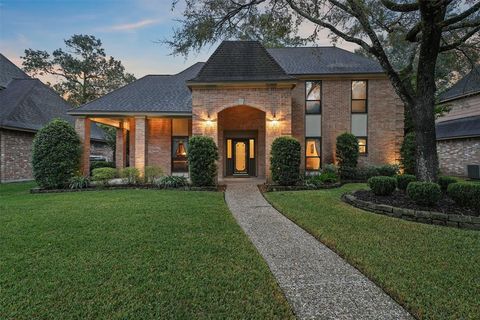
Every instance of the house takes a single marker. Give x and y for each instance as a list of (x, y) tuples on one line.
[(458, 132), (26, 105), (244, 97)]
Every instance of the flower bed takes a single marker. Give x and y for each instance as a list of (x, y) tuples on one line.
[(445, 213)]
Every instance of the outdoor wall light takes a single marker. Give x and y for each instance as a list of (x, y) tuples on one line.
[(274, 120), (209, 120)]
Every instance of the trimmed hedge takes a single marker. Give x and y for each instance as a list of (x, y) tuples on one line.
[(347, 153), (465, 194), (103, 175), (101, 164), (404, 179), (445, 181), (285, 160), (424, 193), (202, 157), (56, 154), (382, 186)]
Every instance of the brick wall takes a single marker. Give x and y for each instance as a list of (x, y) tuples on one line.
[(159, 143), (15, 155), (454, 155)]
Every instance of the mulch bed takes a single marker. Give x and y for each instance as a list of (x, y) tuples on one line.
[(400, 199), (218, 188)]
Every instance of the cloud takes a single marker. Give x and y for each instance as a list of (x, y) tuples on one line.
[(133, 26)]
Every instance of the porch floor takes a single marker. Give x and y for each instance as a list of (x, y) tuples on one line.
[(316, 281)]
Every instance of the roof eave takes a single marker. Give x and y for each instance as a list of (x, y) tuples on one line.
[(88, 113), (243, 83), (465, 95)]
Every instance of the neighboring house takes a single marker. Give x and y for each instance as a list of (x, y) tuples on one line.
[(26, 105), (244, 97), (458, 132)]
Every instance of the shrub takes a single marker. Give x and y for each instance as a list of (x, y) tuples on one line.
[(407, 153), (285, 160), (445, 181), (152, 173), (347, 150), (404, 179), (424, 193), (131, 175), (330, 168), (202, 157), (382, 186), (168, 182), (79, 182), (348, 173), (319, 180), (389, 170), (56, 154), (103, 175), (101, 164), (465, 194)]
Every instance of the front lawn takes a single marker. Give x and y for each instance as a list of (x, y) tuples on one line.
[(130, 254), (433, 271)]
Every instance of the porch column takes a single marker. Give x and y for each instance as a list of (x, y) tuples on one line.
[(121, 147), (140, 143), (82, 127)]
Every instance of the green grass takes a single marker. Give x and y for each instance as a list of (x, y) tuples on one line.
[(433, 271), (130, 254)]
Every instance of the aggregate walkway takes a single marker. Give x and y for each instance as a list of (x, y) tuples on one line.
[(316, 281)]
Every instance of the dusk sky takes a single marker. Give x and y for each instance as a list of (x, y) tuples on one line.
[(129, 29)]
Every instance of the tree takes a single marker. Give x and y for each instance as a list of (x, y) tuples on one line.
[(429, 28), (84, 71)]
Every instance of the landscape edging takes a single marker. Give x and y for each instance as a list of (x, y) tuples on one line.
[(120, 187), (428, 217)]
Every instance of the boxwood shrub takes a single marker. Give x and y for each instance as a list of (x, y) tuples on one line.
[(101, 164), (382, 186), (465, 194), (424, 193), (103, 175), (404, 179), (202, 157), (56, 154), (445, 181), (285, 160)]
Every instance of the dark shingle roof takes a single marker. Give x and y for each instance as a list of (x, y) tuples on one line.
[(458, 128), (323, 60), (241, 61), (470, 84), (152, 93), (8, 71), (28, 104)]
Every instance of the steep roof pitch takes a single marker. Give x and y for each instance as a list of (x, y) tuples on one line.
[(28, 104), (240, 61), (458, 128), (9, 71), (468, 85), (152, 93), (323, 61)]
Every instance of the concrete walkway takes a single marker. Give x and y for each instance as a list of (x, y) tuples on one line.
[(316, 281)]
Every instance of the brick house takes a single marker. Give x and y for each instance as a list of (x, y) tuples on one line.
[(458, 132), (244, 97), (26, 105)]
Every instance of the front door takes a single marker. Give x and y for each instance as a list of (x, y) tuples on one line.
[(240, 157)]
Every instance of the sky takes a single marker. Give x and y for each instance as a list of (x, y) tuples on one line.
[(130, 30)]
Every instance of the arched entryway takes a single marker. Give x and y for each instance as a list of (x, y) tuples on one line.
[(241, 142)]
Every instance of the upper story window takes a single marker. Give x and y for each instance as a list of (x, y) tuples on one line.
[(313, 97), (359, 96)]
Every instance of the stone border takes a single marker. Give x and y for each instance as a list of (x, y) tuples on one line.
[(429, 217), (275, 187), (219, 188)]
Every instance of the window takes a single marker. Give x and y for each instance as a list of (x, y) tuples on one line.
[(312, 154), (359, 96), (362, 145), (180, 132), (313, 94)]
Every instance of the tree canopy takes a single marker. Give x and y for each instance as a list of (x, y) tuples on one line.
[(407, 37), (84, 70)]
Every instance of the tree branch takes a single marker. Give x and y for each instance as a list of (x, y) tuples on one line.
[(465, 24), (461, 16), (460, 41), (400, 7)]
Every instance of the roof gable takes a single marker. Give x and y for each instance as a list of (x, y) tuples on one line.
[(468, 85), (240, 61), (9, 71)]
